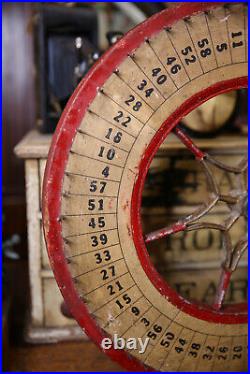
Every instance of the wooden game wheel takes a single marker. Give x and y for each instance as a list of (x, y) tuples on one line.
[(113, 125)]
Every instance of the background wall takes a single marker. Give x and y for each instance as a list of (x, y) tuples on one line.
[(19, 107), (18, 118)]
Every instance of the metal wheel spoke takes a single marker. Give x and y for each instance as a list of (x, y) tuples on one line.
[(236, 201), (201, 211), (188, 142), (233, 256), (184, 224), (165, 231), (205, 225), (211, 182), (232, 169), (222, 288)]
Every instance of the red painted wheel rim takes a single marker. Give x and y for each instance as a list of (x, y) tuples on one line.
[(58, 155), (237, 315)]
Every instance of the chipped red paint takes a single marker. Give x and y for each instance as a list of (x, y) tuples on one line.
[(223, 286), (58, 156), (159, 234), (187, 141)]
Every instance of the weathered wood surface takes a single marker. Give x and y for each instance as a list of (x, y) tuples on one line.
[(63, 357)]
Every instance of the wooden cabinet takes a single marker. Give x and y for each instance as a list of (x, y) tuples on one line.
[(46, 321)]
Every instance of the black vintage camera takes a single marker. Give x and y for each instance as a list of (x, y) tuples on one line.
[(66, 37)]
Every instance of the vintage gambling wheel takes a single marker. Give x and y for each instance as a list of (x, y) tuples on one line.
[(108, 134)]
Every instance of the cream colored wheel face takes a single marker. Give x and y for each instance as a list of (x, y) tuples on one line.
[(99, 180)]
